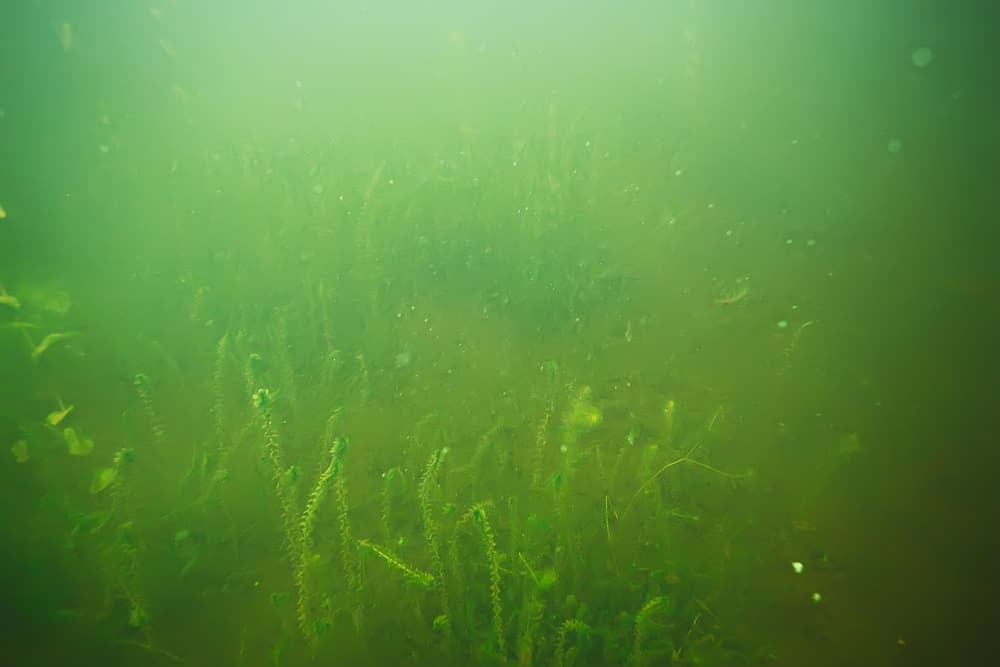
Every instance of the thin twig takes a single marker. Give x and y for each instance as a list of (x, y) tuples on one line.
[(150, 648)]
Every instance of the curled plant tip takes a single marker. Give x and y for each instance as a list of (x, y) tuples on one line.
[(49, 341), (262, 398), (571, 625), (643, 620)]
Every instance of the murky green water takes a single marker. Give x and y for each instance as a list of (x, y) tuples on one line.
[(496, 333)]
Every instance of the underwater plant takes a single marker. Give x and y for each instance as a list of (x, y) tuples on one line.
[(142, 382), (306, 544), (566, 655), (643, 621), (476, 515), (427, 482), (409, 571)]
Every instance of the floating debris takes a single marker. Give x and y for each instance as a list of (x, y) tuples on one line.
[(3, 211), (582, 415), (103, 478), (55, 418), (49, 341), (849, 446), (18, 324), (77, 444), (9, 300), (48, 298), (168, 48), (669, 419), (922, 57), (66, 36), (20, 451)]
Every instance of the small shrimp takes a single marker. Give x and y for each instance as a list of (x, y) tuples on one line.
[(733, 298)]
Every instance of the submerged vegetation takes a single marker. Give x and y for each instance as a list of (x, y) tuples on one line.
[(375, 460), (464, 358)]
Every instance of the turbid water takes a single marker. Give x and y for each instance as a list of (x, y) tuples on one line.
[(497, 333)]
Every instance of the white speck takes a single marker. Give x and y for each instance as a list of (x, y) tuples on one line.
[(894, 146), (729, 233), (798, 567), (816, 597), (811, 243), (318, 189), (788, 241), (586, 144), (104, 148), (392, 181), (679, 172), (515, 164), (782, 324), (341, 197), (922, 57), (563, 449)]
